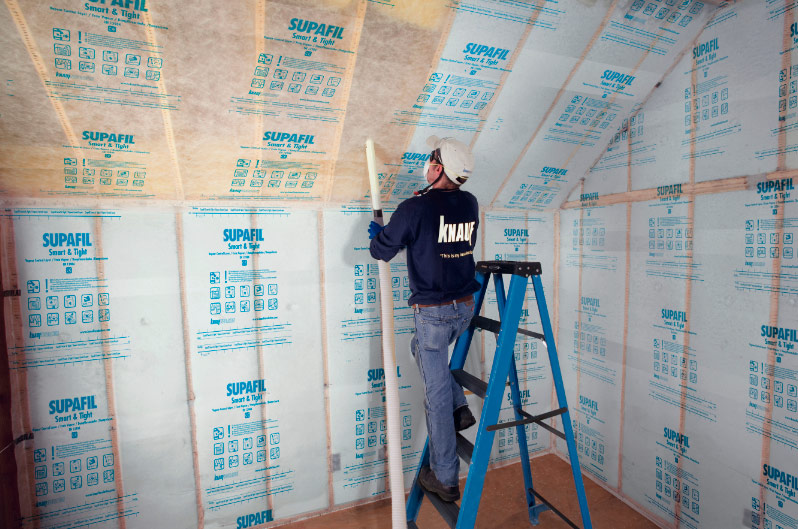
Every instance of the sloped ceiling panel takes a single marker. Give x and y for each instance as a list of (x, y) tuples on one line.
[(272, 100)]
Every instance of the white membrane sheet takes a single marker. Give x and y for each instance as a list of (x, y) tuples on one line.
[(196, 341), (358, 421), (592, 255), (254, 329), (520, 237)]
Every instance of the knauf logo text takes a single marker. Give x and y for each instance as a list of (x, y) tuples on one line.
[(785, 184), (237, 234), (675, 437), (309, 26), (282, 137), (74, 404), (66, 239), (705, 47), (617, 77), (454, 232), (251, 520)]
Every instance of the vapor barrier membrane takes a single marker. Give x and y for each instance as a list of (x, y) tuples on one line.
[(95, 350), (205, 351), (250, 312), (514, 236), (253, 312), (592, 266), (678, 249), (357, 420), (130, 101), (358, 424)]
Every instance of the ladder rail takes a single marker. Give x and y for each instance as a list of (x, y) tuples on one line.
[(416, 494), (500, 370), (510, 305), (463, 343), (523, 447), (573, 456)]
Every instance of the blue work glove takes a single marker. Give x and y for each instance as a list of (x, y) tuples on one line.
[(374, 229)]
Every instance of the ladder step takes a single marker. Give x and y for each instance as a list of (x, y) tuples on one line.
[(464, 448), (470, 382), (495, 326), (538, 419), (518, 268), (554, 509), (511, 303), (449, 511)]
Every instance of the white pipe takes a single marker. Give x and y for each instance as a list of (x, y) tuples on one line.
[(396, 475)]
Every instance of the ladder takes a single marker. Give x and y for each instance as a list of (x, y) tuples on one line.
[(478, 454)]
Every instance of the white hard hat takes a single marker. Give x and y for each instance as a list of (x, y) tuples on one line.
[(456, 157)]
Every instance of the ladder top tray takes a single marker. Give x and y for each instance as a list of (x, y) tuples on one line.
[(519, 268)]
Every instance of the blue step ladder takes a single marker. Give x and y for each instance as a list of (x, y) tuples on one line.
[(478, 454)]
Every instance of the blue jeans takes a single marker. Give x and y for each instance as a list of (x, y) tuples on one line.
[(436, 328)]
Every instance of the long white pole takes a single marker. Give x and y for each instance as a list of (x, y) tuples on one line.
[(396, 475)]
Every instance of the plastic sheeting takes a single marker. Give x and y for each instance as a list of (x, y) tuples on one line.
[(678, 252), (272, 100), (195, 341)]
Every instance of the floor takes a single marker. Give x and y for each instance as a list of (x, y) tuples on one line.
[(503, 504)]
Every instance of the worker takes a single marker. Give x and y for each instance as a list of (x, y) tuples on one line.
[(438, 227)]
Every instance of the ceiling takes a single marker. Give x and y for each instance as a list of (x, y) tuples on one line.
[(271, 101)]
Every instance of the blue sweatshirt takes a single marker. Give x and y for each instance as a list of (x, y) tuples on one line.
[(439, 230)]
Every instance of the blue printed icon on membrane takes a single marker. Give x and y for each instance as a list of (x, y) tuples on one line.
[(61, 34), (34, 303)]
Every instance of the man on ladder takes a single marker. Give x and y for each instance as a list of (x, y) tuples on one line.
[(438, 227)]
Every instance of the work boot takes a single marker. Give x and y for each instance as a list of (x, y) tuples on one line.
[(427, 479), (463, 418)]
